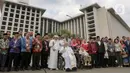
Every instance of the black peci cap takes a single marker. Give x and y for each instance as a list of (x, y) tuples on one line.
[(37, 34), (16, 33), (5, 34)]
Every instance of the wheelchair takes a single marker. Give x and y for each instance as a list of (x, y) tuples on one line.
[(61, 62)]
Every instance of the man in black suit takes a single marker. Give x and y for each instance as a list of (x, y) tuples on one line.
[(100, 52)]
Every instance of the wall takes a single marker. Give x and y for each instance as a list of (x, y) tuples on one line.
[(117, 29), (102, 22)]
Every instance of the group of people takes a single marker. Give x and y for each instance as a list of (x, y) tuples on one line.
[(22, 52)]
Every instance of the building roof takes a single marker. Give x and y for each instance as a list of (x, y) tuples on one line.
[(73, 17), (43, 10), (88, 6), (112, 11), (50, 19)]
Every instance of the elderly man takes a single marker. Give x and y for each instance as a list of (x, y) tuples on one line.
[(4, 46), (69, 57), (54, 47)]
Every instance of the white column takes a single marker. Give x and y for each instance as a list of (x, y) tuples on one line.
[(25, 21), (96, 22), (63, 26), (68, 26), (74, 26), (85, 26), (2, 14), (81, 29), (13, 21), (52, 27), (72, 32), (47, 26), (34, 23), (8, 20), (77, 26), (29, 19), (55, 27), (43, 31), (39, 27)]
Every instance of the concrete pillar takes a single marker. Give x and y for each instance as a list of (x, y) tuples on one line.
[(85, 26), (13, 21), (43, 31), (74, 26), (47, 26), (52, 27), (34, 23), (77, 26), (29, 19), (39, 27), (2, 14), (8, 20), (81, 29)]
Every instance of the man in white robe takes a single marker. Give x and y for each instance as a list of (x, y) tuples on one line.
[(69, 57), (54, 47)]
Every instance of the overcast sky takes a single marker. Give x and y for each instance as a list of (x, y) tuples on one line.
[(58, 9)]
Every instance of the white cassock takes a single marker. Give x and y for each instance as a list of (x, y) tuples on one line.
[(54, 47), (69, 57)]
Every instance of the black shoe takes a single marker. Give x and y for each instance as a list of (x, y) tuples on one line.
[(74, 69), (8, 70), (67, 70)]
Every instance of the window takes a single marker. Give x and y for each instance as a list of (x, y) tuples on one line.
[(16, 24), (12, 10), (36, 27), (21, 25), (5, 14), (10, 24), (16, 20), (26, 30), (7, 4), (37, 15), (17, 16), (31, 27), (9, 28), (23, 12), (37, 19), (33, 14), (22, 17), (15, 29), (18, 7), (27, 22), (4, 18), (27, 17), (23, 8), (28, 13), (12, 6), (2, 27), (22, 21), (26, 26), (6, 9), (32, 23), (3, 23), (28, 9), (37, 23), (11, 14), (17, 11), (32, 18), (10, 19)]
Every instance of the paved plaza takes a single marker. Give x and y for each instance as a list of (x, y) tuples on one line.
[(100, 70)]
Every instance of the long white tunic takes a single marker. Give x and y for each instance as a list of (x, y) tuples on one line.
[(69, 57), (54, 47)]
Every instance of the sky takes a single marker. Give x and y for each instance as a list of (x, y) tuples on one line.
[(58, 9)]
